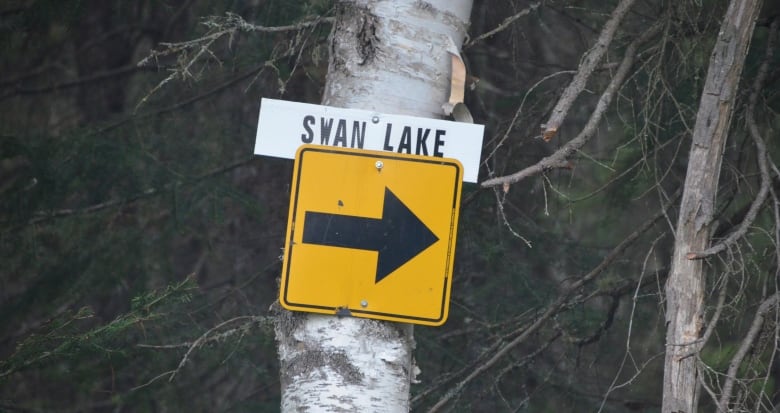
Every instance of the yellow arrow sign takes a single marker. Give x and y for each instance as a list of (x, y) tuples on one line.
[(371, 234)]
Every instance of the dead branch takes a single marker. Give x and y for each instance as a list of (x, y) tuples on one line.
[(191, 51), (715, 317), (254, 72), (685, 288), (204, 337), (595, 335), (744, 347), (220, 26), (504, 24), (553, 308), (761, 154), (587, 65), (559, 159), (520, 110), (523, 361), (241, 329)]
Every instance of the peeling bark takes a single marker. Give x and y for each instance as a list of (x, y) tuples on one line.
[(391, 57)]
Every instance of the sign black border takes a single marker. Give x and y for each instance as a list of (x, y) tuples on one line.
[(290, 247)]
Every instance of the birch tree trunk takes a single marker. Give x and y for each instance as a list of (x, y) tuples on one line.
[(389, 56), (685, 288)]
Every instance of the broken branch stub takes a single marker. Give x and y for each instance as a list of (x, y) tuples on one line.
[(588, 64)]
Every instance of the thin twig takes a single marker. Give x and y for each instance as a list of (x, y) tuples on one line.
[(107, 74), (227, 25), (217, 337), (551, 309), (504, 24), (520, 110), (627, 354), (136, 117), (776, 341), (500, 203), (41, 216), (219, 27), (202, 339), (153, 379)]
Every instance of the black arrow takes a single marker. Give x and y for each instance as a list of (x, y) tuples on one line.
[(398, 236)]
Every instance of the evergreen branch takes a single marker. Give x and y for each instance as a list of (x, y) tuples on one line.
[(28, 354), (103, 75), (232, 19), (219, 27), (176, 106), (230, 24), (41, 216)]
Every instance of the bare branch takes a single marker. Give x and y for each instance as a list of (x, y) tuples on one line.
[(153, 379), (232, 19), (504, 24), (614, 385), (220, 26), (191, 51), (216, 337), (539, 350), (204, 338), (685, 288), (520, 110), (587, 65), (559, 159), (744, 347), (761, 154), (552, 309)]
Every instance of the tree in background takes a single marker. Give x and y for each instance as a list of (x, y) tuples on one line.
[(685, 288), (140, 240)]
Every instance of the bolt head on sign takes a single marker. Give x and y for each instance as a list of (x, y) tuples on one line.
[(371, 234)]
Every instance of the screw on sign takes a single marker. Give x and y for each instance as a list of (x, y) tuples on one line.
[(371, 234)]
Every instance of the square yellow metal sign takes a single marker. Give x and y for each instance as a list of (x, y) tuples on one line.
[(371, 234)]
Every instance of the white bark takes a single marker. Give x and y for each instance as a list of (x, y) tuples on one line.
[(391, 57), (343, 364)]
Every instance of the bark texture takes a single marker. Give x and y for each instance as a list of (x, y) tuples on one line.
[(685, 287), (388, 56)]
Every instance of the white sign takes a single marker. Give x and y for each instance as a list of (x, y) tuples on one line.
[(284, 126)]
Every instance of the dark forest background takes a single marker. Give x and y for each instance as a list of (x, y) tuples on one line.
[(140, 239)]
